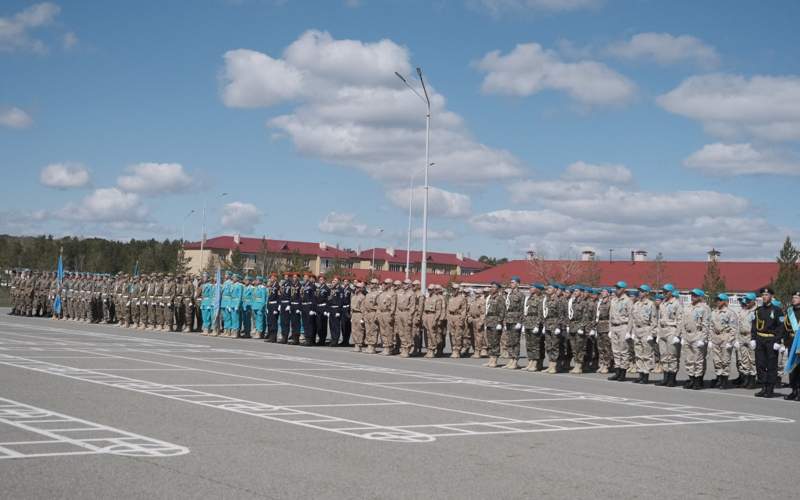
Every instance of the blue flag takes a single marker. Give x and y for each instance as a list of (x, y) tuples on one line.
[(793, 360), (217, 295), (136, 269), (59, 281)]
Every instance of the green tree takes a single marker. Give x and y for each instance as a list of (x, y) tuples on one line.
[(713, 282), (788, 278)]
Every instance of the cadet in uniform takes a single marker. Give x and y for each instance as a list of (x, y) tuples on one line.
[(335, 311), (456, 320), (477, 325), (513, 322), (323, 292), (620, 325), (531, 325), (295, 299), (259, 304), (247, 307), (404, 317), (273, 309), (347, 296), (387, 303), (791, 324), (359, 330), (371, 315), (495, 320), (695, 329), (644, 318), (745, 355), (766, 333), (668, 336), (724, 324)]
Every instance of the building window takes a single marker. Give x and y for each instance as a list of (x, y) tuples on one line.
[(397, 267)]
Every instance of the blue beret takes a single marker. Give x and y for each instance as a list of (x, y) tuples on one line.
[(645, 288), (669, 287), (750, 296), (496, 284), (260, 278), (676, 294), (622, 284), (228, 273), (722, 296), (698, 293), (515, 278), (659, 296), (539, 286)]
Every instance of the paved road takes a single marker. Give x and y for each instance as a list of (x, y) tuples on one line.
[(90, 411)]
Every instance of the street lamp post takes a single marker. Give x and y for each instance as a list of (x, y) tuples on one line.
[(183, 226), (410, 204), (380, 231), (203, 237), (427, 100)]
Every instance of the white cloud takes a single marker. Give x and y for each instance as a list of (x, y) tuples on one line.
[(155, 178), (500, 6), (441, 203), (241, 217), (664, 48), (434, 234), (70, 40), (729, 106), (64, 176), (14, 30), (350, 109), (344, 224), (15, 118), (740, 159), (106, 205), (529, 69), (609, 174), (507, 223)]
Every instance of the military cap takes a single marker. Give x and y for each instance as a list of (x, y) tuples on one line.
[(676, 294), (515, 278), (387, 281), (455, 285), (260, 278), (539, 286), (359, 284), (659, 296), (796, 293), (406, 281), (645, 288), (496, 284), (415, 282), (766, 289), (431, 286), (621, 284), (228, 273), (669, 287), (374, 281), (750, 296), (698, 293), (397, 283), (723, 297)]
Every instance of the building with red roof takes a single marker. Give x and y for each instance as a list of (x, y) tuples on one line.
[(267, 255)]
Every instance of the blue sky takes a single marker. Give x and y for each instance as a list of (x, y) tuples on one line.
[(558, 125)]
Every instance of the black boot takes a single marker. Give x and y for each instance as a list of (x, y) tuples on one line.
[(715, 382), (723, 382), (671, 381), (664, 380), (739, 381), (639, 379), (689, 383), (792, 395), (770, 390), (750, 382), (615, 376), (645, 379), (762, 393), (698, 383), (621, 377)]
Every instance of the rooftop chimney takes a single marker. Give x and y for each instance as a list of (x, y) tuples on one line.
[(587, 255), (237, 238), (390, 251), (459, 256), (639, 255), (531, 255), (323, 245)]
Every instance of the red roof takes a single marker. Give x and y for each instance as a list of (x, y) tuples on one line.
[(685, 275), (254, 246), (399, 257)]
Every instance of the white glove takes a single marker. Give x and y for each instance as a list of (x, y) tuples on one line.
[(567, 329), (517, 326), (752, 344), (229, 309), (737, 344), (699, 343), (776, 346), (580, 332), (362, 321), (312, 313), (544, 330), (650, 338), (275, 313), (523, 329), (628, 336), (535, 329), (558, 331), (337, 315), (593, 333), (683, 342), (288, 308), (676, 340), (297, 311), (728, 345), (498, 327), (783, 349)]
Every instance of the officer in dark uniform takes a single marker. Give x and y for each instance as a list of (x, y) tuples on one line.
[(323, 293), (347, 293), (294, 302), (273, 309), (284, 299), (335, 311), (766, 334), (789, 342), (308, 306)]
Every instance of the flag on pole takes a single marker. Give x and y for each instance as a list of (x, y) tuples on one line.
[(136, 269), (217, 294), (793, 360), (59, 281)]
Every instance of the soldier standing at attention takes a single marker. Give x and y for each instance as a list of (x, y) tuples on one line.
[(645, 320), (531, 326), (259, 304), (404, 317), (669, 320), (745, 356), (322, 294), (430, 318), (695, 329), (387, 303), (335, 311), (347, 295), (574, 329), (766, 331), (359, 330), (602, 325), (295, 299), (247, 307), (370, 307), (724, 324), (619, 318), (308, 309), (791, 325), (237, 296), (495, 320), (513, 322), (550, 328), (419, 296), (476, 326), (273, 308), (456, 319)]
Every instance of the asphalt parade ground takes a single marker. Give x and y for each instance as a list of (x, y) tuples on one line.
[(96, 411)]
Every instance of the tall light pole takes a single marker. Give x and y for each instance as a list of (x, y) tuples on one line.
[(203, 238), (427, 100), (183, 226), (410, 204)]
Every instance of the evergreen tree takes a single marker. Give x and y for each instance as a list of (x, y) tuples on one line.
[(788, 277), (713, 282)]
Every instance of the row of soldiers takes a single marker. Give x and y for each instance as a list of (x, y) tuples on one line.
[(627, 331)]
